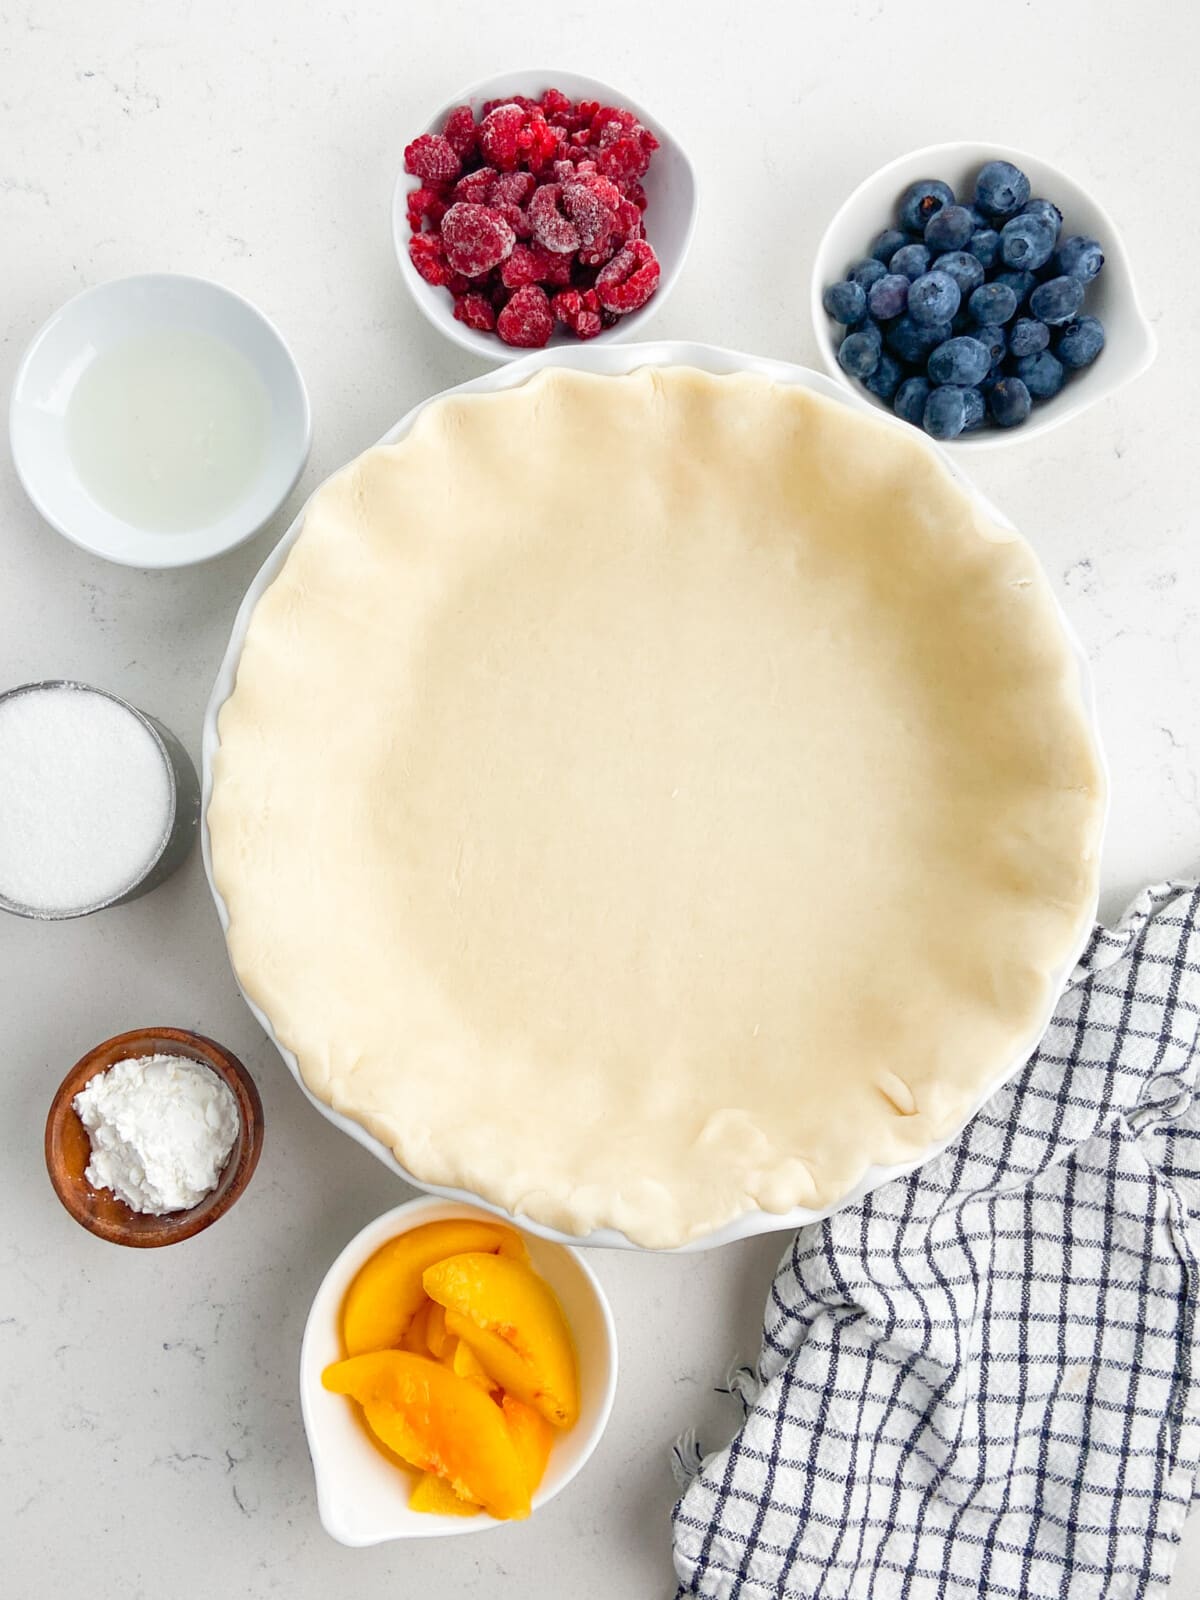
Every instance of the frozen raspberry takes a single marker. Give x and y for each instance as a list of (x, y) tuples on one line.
[(564, 170), (625, 161), (629, 221), (603, 250), (508, 193), (428, 254), (629, 279), (511, 188), (578, 310), (476, 238), (592, 218), (475, 185), (550, 227), (432, 158), (556, 106), (526, 320), (477, 311), (538, 142), (610, 123), (498, 135), (425, 205), (635, 192), (460, 132), (533, 264), (521, 100)]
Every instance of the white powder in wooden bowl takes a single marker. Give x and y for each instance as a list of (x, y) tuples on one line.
[(161, 1129)]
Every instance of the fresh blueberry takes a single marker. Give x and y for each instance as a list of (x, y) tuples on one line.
[(933, 297), (961, 360), (945, 413), (949, 228), (912, 341), (1080, 342), (1022, 284), (888, 296), (1041, 374), (994, 337), (920, 200), (910, 398), (965, 269), (866, 272), (885, 380), (1026, 242), (1047, 210), (984, 245), (1009, 402), (1079, 257), (1001, 189), (993, 302), (859, 353), (888, 242), (1027, 336), (1056, 301), (845, 302), (910, 261), (974, 410)]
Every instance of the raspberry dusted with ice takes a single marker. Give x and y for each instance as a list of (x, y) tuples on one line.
[(432, 158), (498, 136), (629, 279), (428, 254), (552, 229), (476, 310), (460, 132), (476, 238), (532, 216), (425, 205), (579, 310), (527, 319)]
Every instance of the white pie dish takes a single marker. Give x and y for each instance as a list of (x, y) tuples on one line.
[(607, 361), (361, 1495), (1130, 345), (91, 324), (670, 188)]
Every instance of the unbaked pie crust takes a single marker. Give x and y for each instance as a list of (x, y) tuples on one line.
[(646, 799)]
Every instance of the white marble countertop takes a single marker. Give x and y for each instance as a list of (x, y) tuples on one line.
[(148, 1414)]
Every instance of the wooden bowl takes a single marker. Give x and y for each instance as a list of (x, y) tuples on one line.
[(68, 1148)]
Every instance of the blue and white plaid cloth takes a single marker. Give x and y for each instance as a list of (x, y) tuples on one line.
[(979, 1381)]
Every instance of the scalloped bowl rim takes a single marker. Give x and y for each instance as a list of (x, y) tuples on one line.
[(1085, 389), (616, 360)]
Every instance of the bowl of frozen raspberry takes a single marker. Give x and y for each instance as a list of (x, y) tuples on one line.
[(541, 208)]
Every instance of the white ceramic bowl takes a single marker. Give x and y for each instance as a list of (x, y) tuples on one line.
[(670, 215), (616, 359), (361, 1496), (1130, 343), (93, 323)]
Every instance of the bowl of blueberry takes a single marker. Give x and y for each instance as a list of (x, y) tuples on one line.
[(979, 294)]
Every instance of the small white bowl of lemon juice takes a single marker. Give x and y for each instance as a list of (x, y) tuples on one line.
[(158, 421)]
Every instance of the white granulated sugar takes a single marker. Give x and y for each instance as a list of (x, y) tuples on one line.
[(85, 799), (161, 1129)]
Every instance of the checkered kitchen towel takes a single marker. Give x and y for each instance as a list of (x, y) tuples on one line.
[(978, 1382)]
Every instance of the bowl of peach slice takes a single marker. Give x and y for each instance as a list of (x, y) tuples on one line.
[(454, 1374)]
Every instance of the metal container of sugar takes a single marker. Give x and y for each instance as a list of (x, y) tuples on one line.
[(99, 803)]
